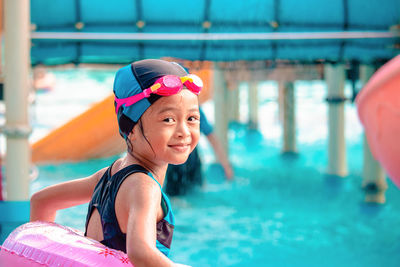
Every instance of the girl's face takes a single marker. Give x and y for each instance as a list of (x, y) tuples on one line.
[(172, 127)]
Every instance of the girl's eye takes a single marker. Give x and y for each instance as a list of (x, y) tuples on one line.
[(193, 119), (168, 120)]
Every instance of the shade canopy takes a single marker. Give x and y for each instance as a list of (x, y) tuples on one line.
[(120, 31)]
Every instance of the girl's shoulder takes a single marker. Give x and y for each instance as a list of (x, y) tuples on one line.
[(141, 181), (139, 189), (97, 175)]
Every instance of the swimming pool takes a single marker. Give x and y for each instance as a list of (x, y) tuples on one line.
[(279, 210)]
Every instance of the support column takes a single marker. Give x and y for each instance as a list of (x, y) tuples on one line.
[(374, 180), (16, 73), (220, 107), (233, 99), (287, 104), (335, 79), (281, 93), (232, 83), (253, 104)]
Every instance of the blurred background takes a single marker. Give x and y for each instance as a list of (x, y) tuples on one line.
[(281, 78)]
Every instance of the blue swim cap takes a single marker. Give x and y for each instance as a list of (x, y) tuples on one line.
[(133, 79)]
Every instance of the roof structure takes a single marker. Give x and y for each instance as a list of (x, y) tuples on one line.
[(120, 31)]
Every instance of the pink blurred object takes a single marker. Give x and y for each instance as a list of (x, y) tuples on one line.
[(50, 244), (378, 105)]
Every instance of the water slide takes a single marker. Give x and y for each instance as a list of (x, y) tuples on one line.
[(92, 134)]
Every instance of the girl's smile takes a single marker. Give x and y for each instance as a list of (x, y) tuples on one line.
[(180, 147)]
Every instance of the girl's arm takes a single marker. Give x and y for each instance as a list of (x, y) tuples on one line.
[(45, 203), (141, 198)]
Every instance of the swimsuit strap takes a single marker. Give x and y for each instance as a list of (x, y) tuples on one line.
[(152, 177)]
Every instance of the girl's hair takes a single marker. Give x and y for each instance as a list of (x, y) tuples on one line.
[(128, 141)]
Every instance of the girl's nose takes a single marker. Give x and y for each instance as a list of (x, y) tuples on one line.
[(183, 130)]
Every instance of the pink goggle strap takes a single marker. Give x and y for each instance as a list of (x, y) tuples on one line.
[(130, 100)]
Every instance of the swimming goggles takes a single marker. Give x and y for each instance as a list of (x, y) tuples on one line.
[(164, 86)]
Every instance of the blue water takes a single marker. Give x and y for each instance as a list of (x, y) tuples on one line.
[(279, 210)]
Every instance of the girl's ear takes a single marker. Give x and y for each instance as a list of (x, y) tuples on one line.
[(133, 134)]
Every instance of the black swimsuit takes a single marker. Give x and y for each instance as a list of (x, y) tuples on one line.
[(103, 199)]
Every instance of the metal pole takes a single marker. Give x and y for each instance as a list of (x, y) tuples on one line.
[(124, 36), (16, 72)]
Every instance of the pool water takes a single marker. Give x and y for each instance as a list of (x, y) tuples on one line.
[(280, 210)]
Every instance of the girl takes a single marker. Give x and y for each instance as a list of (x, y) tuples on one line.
[(128, 209)]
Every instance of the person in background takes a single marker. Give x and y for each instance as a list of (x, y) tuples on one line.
[(43, 80), (180, 179), (158, 116)]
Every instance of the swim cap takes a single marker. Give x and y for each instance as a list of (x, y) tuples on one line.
[(133, 79)]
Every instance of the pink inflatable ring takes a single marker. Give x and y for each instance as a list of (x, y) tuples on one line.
[(51, 244), (378, 105)]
